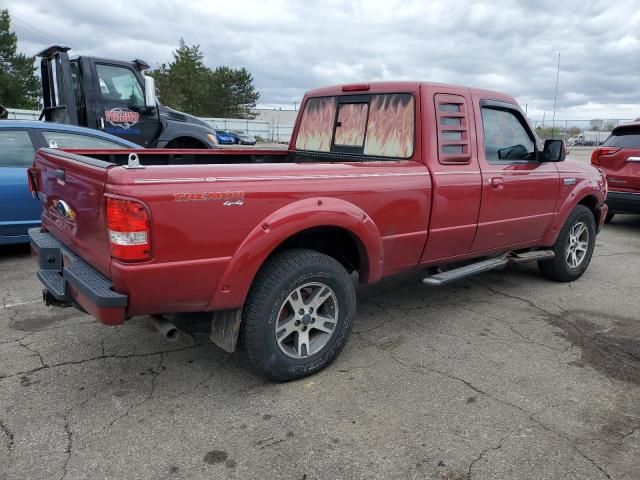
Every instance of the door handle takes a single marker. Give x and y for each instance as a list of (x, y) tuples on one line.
[(497, 182), (59, 174), (633, 159)]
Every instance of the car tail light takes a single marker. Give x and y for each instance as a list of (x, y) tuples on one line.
[(129, 229), (602, 152)]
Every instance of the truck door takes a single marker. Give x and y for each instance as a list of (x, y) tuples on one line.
[(453, 161), (120, 104), (519, 192)]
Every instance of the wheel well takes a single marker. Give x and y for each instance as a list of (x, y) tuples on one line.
[(591, 203), (336, 242), (185, 142)]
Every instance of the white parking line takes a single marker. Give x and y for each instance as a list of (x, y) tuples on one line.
[(18, 304)]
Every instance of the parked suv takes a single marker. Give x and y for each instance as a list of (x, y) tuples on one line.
[(619, 158)]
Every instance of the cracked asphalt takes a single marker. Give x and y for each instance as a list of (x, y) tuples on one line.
[(504, 376)]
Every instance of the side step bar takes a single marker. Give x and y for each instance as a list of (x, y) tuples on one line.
[(495, 263)]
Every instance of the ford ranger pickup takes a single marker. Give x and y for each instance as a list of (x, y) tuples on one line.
[(378, 179)]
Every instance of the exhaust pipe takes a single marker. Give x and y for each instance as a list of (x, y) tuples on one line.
[(165, 328)]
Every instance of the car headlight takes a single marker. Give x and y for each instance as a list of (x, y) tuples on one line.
[(212, 138)]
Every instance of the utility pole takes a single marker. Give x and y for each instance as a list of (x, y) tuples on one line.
[(555, 97)]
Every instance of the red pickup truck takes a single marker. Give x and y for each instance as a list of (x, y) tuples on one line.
[(379, 179)]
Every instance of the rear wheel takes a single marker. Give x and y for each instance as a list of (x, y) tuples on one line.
[(573, 248), (298, 314)]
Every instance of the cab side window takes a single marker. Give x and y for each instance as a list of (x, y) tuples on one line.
[(506, 139), (119, 85)]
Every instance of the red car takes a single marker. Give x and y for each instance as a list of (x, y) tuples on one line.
[(379, 179), (619, 158)]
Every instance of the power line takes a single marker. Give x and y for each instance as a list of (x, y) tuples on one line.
[(33, 31), (40, 35)]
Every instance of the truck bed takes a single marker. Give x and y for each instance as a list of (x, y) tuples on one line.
[(204, 206)]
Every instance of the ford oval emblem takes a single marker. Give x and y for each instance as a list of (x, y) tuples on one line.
[(64, 209)]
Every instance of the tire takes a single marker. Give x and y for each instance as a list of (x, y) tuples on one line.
[(565, 267), (280, 334), (609, 217)]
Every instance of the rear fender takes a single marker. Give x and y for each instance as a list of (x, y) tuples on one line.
[(283, 224)]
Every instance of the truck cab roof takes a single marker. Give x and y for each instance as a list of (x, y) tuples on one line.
[(405, 86)]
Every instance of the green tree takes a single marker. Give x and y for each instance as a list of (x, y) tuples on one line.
[(183, 83), (188, 85), (19, 87), (231, 93)]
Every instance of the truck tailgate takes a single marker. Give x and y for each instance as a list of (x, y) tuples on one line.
[(71, 189)]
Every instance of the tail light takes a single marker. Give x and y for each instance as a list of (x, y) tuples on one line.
[(602, 152), (32, 180), (129, 229)]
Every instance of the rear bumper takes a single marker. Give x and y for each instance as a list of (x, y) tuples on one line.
[(623, 202), (71, 280)]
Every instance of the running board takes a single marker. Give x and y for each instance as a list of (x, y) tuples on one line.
[(495, 263)]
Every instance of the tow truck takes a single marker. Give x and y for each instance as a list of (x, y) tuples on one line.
[(117, 98)]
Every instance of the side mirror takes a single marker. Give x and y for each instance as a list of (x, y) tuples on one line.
[(149, 92), (554, 151)]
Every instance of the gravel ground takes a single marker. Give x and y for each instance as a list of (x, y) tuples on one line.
[(504, 376)]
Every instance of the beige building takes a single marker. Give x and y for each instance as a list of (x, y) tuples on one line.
[(276, 116)]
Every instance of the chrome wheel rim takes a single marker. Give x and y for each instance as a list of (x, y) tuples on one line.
[(306, 320), (577, 245)]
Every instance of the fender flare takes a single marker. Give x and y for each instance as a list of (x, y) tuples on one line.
[(286, 222), (564, 210)]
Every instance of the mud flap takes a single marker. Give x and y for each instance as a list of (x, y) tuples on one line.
[(225, 326)]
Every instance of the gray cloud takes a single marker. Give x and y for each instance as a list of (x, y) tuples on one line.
[(290, 47)]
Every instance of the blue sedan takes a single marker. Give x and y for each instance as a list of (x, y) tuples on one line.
[(225, 138), (19, 140)]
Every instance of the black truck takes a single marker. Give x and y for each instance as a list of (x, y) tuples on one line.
[(115, 97)]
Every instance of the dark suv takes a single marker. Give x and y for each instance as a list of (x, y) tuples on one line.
[(619, 158)]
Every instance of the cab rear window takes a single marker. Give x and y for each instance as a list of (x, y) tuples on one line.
[(381, 125), (624, 138)]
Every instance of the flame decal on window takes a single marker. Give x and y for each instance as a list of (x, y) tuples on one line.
[(316, 126), (390, 130), (352, 120)]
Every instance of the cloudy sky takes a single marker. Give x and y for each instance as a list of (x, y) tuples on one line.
[(291, 46)]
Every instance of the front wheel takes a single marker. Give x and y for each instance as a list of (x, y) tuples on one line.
[(298, 314), (573, 248)]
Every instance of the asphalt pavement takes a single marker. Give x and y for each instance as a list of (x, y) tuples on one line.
[(503, 376)]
